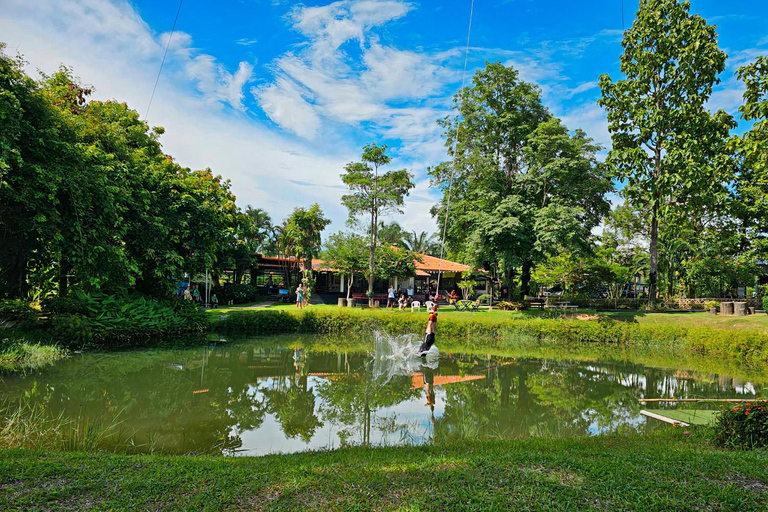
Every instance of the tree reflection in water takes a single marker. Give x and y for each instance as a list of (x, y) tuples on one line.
[(259, 396)]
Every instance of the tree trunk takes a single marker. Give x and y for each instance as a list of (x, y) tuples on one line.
[(525, 279), (349, 287), (372, 256), (509, 279), (654, 254)]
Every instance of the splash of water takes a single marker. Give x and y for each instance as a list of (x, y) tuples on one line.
[(398, 355)]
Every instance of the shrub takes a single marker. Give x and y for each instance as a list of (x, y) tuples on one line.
[(237, 293), (75, 304), (711, 304), (743, 426), (108, 319), (765, 302), (511, 306), (16, 311)]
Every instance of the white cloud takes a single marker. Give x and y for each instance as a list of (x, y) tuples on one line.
[(284, 104), (416, 213), (212, 79), (590, 118), (319, 88), (586, 86), (246, 41), (395, 74)]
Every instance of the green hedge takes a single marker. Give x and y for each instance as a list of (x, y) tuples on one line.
[(749, 347)]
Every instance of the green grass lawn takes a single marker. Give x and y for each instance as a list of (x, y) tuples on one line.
[(662, 471), (237, 307)]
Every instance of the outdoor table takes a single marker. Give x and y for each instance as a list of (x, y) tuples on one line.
[(464, 305)]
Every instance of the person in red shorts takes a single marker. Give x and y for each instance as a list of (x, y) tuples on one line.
[(429, 337)]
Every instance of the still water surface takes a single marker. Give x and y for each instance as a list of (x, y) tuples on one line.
[(262, 396)]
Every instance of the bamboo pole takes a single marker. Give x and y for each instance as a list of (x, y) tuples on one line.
[(664, 419)]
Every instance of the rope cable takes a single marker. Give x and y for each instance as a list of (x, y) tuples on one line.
[(162, 62), (455, 143)]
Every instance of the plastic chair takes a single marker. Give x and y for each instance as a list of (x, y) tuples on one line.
[(429, 305), (416, 304)]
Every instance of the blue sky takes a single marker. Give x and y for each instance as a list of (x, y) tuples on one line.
[(278, 96)]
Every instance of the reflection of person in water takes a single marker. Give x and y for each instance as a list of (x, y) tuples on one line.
[(429, 387), (429, 337)]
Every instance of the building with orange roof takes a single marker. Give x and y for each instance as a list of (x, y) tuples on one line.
[(328, 280), (427, 272)]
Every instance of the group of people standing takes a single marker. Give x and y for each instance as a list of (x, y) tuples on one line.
[(404, 300), (193, 293)]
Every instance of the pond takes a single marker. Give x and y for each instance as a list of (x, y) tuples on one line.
[(253, 397)]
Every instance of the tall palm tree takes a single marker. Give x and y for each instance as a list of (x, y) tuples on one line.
[(391, 234), (262, 226), (423, 242)]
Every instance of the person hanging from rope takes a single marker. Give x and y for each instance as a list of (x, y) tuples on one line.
[(429, 337)]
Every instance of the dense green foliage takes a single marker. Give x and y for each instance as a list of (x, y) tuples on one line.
[(666, 145), (88, 199), (521, 186), (82, 319), (743, 426), (16, 311), (750, 347), (663, 471)]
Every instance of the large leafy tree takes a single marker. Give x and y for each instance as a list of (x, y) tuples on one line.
[(667, 146), (304, 228), (32, 162), (88, 199), (751, 148), (373, 195), (520, 185)]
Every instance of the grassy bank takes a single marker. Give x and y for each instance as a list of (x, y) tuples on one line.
[(21, 355), (664, 471), (746, 346)]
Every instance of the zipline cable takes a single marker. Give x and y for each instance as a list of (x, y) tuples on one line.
[(159, 71), (455, 143)]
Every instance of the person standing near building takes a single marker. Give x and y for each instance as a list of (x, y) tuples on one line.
[(391, 297), (300, 296)]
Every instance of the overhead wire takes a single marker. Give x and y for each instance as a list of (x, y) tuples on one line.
[(455, 143), (162, 62)]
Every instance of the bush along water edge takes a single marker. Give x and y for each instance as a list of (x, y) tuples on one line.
[(80, 320), (750, 348)]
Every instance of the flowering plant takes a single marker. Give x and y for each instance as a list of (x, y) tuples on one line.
[(743, 426)]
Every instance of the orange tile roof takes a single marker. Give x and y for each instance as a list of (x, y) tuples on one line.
[(432, 264), (423, 268)]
